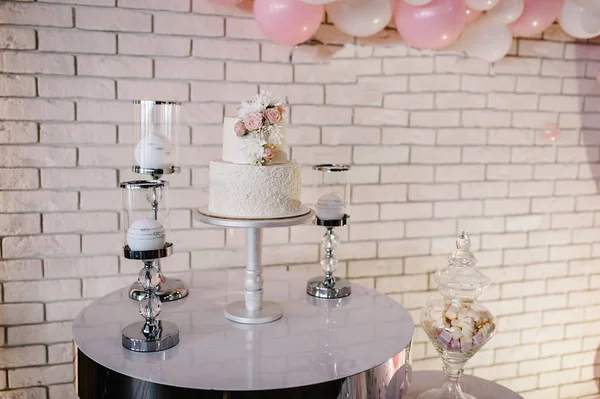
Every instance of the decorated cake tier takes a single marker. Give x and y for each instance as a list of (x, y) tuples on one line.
[(255, 179), (248, 191)]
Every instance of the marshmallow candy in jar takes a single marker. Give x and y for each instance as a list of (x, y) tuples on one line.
[(457, 325), (146, 235), (330, 207)]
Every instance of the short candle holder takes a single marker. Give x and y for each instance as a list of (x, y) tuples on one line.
[(145, 231), (332, 211), (157, 154), (150, 335)]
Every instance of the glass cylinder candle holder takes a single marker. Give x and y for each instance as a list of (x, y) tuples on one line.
[(156, 141), (145, 225), (457, 324), (331, 207), (145, 216), (332, 200)]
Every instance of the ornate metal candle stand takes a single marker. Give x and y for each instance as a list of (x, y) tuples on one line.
[(329, 287), (157, 154), (332, 211), (150, 335), (145, 239)]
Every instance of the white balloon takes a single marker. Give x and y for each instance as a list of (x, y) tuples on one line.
[(318, 1), (481, 5), (592, 6), (360, 17), (579, 20), (417, 2), (508, 11), (487, 39)]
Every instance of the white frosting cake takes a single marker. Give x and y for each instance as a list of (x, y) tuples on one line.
[(248, 191), (254, 179)]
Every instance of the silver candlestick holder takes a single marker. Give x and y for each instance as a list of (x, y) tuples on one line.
[(150, 335), (332, 211), (144, 238), (156, 129)]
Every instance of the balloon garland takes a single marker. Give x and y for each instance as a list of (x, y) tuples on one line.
[(481, 28)]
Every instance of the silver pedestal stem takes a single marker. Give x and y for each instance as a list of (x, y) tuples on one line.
[(329, 279), (151, 329), (330, 287)]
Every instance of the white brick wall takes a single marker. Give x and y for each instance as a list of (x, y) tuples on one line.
[(438, 142)]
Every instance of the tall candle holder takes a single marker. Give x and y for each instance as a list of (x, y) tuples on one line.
[(145, 231), (156, 131), (332, 211)]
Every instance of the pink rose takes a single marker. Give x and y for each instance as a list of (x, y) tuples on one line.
[(239, 129), (272, 115), (280, 109), (254, 121), (269, 154)]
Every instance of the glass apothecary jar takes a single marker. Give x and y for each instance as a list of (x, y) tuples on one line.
[(457, 325)]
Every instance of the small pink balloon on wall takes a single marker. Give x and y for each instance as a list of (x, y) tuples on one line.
[(537, 16), (435, 25), (288, 22)]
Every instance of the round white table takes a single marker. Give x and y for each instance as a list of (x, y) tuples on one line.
[(356, 347), (478, 387)]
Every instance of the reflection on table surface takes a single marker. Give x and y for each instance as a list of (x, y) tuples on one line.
[(315, 341), (478, 387)]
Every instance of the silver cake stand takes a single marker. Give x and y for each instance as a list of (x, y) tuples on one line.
[(253, 310)]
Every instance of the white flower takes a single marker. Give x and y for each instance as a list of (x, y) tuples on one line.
[(257, 103), (253, 148)]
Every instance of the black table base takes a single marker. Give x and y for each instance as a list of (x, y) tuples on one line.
[(386, 381)]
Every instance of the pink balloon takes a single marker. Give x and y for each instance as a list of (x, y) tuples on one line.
[(226, 2), (471, 14), (536, 17), (433, 26), (288, 22), (551, 132)]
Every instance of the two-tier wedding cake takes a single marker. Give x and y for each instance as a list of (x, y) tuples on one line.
[(255, 179)]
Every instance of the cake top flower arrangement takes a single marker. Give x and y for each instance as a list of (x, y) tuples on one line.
[(260, 125)]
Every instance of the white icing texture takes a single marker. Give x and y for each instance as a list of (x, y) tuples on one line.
[(235, 148), (250, 191)]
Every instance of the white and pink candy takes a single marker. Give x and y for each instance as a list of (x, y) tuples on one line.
[(460, 328)]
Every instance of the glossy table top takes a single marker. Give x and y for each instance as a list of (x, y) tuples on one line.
[(315, 341), (478, 387)]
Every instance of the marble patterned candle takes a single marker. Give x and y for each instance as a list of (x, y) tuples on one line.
[(146, 235), (153, 152), (330, 207)]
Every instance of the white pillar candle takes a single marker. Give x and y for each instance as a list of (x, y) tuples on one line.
[(146, 235), (153, 152), (330, 207)]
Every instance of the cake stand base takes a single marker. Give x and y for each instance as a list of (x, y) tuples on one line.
[(170, 290), (237, 312), (315, 287), (135, 340), (253, 310)]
